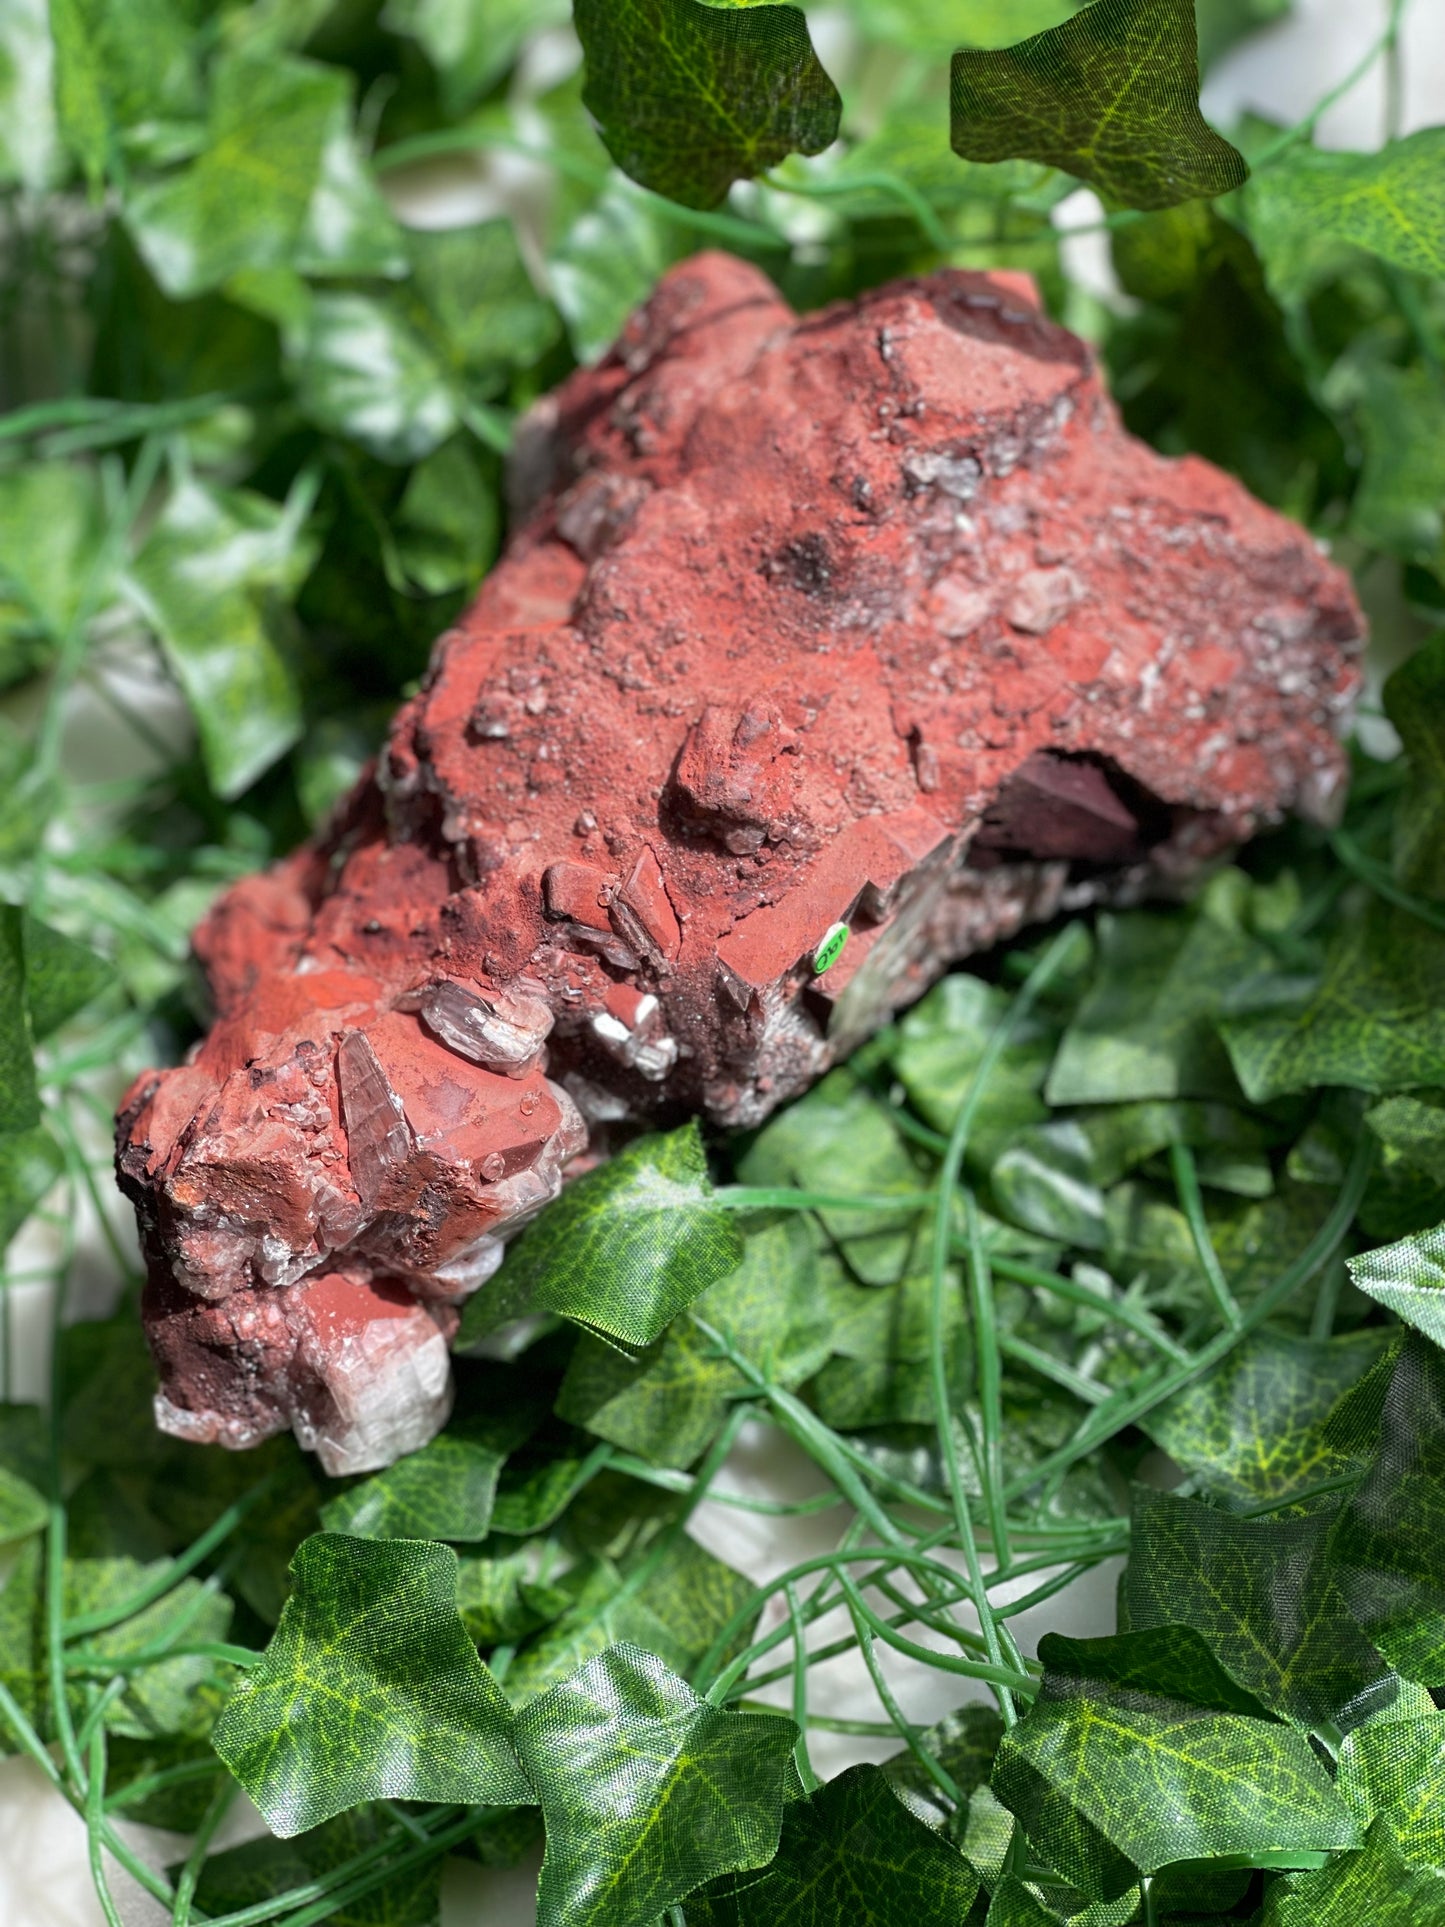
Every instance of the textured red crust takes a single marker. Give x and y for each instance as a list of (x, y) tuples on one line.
[(872, 618)]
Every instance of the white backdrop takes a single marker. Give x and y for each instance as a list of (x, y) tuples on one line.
[(44, 1879)]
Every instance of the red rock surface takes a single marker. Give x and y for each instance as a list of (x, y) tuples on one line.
[(872, 618)]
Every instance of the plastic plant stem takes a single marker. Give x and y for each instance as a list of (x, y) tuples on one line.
[(135, 1791), (1141, 1323), (340, 1897), (183, 1564), (990, 1377), (907, 1732), (1186, 1182), (801, 1759), (313, 1890), (1379, 879), (95, 1826), (190, 1874), (749, 1197), (1087, 1390), (1107, 1420), (1000, 1646), (1020, 1681), (884, 183)]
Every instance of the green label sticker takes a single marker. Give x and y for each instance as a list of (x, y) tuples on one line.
[(830, 949)]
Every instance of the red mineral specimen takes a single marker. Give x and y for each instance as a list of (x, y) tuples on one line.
[(854, 639)]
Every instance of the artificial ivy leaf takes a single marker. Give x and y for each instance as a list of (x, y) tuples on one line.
[(1398, 507), (1388, 1542), (61, 977), (447, 525), (176, 1695), (51, 538), (19, 1093), (687, 1599), (1111, 96), (852, 1852), (608, 260), (205, 580), (1412, 1130), (1254, 1427), (444, 1491), (261, 1869), (964, 1742), (937, 26), (1145, 1028), (22, 1637), (840, 1139), (370, 1689), (470, 46), (1393, 1768), (501, 1598), (278, 185), (668, 1404), (1140, 1751), (111, 73), (540, 1481), (1390, 202), (1374, 1885), (940, 1044), (1012, 1905), (1414, 698), (623, 1250), (1375, 1023), (646, 1789), (362, 371), (1408, 1278), (29, 138), (23, 1510), (481, 312), (1222, 23), (689, 99), (1261, 1592)]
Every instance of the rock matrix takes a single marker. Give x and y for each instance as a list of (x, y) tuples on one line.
[(826, 650)]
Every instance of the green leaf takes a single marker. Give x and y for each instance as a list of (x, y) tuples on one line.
[(687, 1599), (840, 1139), (622, 1251), (29, 138), (370, 1689), (261, 1869), (447, 525), (608, 260), (19, 1094), (22, 1637), (1145, 1029), (61, 977), (1414, 698), (937, 26), (1012, 1905), (850, 1853), (1393, 1768), (1111, 96), (111, 73), (1412, 1130), (23, 1510), (175, 1695), (279, 184), (1222, 23), (940, 1045), (30, 1162), (647, 1790), (963, 1742), (1375, 1023), (444, 1491), (1254, 1427), (689, 99), (1398, 507), (1408, 1278), (1388, 1543), (471, 46), (1141, 1751), (362, 371), (208, 579), (668, 1404), (481, 311), (1390, 202), (51, 535), (1261, 1592), (1374, 1885)]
